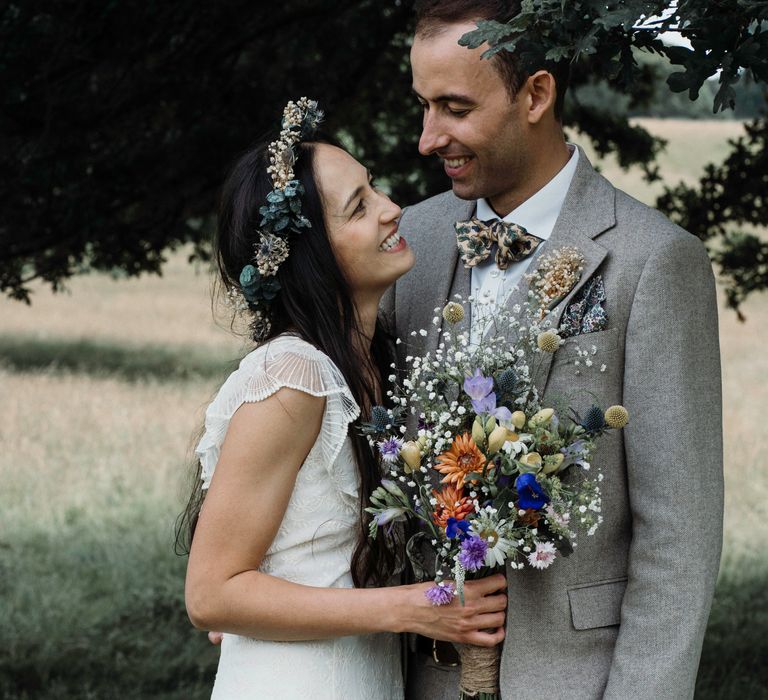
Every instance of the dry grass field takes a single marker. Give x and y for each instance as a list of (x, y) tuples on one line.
[(102, 390)]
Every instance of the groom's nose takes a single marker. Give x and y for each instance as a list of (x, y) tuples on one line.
[(433, 136)]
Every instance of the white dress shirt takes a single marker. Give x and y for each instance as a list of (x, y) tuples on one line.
[(490, 286)]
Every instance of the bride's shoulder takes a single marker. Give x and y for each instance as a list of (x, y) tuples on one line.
[(287, 361)]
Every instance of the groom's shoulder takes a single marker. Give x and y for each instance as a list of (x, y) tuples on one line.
[(647, 227)]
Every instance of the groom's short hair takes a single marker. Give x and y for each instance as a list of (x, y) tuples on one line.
[(432, 15)]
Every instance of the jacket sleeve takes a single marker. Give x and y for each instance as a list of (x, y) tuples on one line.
[(674, 462)]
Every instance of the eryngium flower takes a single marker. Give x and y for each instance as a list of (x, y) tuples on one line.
[(380, 418), (594, 420), (617, 416), (548, 341), (453, 312), (506, 381)]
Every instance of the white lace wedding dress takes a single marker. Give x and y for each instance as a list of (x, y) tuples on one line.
[(313, 545)]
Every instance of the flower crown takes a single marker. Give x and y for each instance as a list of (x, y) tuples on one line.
[(282, 213)]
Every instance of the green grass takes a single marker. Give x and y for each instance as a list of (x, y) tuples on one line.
[(733, 660), (98, 612), (104, 358)]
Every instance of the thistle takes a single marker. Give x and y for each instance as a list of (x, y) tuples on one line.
[(506, 381), (594, 421)]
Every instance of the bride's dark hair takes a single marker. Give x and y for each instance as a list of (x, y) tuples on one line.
[(315, 303)]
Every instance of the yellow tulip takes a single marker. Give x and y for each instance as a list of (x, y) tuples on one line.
[(532, 459), (410, 453), (478, 432), (542, 417), (497, 438), (518, 419), (552, 462)]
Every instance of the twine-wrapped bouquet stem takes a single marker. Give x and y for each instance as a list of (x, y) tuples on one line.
[(479, 678)]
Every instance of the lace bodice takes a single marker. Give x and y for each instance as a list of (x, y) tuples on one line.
[(315, 540)]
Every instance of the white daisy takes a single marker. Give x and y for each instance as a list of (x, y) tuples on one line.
[(494, 531)]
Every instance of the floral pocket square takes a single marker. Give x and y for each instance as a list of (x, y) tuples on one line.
[(585, 313)]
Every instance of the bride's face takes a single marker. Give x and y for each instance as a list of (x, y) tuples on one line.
[(362, 224)]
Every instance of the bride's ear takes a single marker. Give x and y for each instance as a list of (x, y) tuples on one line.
[(540, 93)]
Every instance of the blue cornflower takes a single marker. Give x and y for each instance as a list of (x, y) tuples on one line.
[(472, 555), (441, 593), (389, 449), (456, 528), (530, 494)]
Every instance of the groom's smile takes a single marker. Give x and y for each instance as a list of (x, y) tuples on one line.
[(485, 139)]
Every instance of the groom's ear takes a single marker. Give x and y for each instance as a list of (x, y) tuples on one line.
[(539, 93)]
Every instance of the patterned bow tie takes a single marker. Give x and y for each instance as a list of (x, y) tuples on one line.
[(475, 239)]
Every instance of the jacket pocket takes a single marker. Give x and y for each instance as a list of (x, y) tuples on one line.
[(597, 604)]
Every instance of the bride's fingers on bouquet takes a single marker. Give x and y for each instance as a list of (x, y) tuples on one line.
[(488, 585), (485, 638)]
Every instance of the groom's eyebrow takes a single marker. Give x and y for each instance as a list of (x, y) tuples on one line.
[(448, 97)]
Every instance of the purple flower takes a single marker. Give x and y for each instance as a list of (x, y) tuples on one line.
[(488, 405), (390, 449), (456, 527), (478, 386), (530, 495), (440, 593), (575, 453), (472, 555)]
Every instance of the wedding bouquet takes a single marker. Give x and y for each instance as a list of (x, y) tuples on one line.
[(490, 476)]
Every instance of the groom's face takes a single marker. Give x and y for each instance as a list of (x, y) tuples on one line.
[(470, 121)]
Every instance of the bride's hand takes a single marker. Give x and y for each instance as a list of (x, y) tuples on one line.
[(215, 638), (480, 621)]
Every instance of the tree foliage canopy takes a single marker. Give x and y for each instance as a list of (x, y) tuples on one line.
[(121, 118)]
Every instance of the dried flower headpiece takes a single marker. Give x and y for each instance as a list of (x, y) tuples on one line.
[(281, 215)]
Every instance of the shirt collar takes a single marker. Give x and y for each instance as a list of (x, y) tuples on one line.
[(539, 213)]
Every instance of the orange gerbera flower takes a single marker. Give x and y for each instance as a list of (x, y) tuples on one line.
[(451, 503), (463, 458)]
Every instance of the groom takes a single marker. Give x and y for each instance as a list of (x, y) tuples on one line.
[(625, 615)]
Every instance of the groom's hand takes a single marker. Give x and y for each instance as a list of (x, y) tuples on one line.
[(480, 621), (215, 637)]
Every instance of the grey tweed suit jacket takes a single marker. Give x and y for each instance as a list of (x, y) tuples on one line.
[(625, 615)]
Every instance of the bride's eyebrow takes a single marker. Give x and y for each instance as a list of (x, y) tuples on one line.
[(357, 192)]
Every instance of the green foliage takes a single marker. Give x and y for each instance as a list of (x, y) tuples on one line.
[(120, 119), (728, 36), (728, 195)]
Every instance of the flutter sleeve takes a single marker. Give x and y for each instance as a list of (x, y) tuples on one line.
[(286, 361)]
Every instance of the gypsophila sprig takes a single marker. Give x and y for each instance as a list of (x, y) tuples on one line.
[(487, 475)]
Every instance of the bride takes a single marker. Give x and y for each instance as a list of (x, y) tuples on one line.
[(280, 560)]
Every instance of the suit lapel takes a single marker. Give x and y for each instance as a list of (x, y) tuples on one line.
[(438, 273), (589, 210)]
